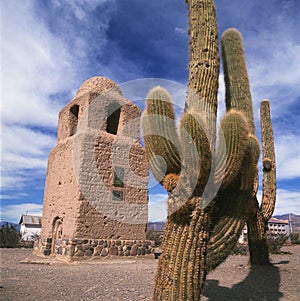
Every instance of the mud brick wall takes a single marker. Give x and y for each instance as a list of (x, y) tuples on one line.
[(61, 194), (98, 137)]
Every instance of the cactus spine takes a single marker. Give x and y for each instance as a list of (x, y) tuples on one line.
[(202, 227)]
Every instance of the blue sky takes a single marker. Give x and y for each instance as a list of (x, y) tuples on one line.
[(48, 48)]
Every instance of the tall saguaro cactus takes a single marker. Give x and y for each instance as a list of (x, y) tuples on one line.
[(210, 182), (257, 221), (238, 96)]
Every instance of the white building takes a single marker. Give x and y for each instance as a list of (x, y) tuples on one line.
[(278, 226), (275, 227), (244, 235), (31, 226)]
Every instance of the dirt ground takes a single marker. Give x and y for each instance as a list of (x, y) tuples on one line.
[(27, 277)]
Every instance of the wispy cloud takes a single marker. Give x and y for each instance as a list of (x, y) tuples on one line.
[(13, 213), (80, 8), (272, 49), (180, 30), (287, 202), (288, 156), (14, 197), (23, 148), (38, 76), (36, 66)]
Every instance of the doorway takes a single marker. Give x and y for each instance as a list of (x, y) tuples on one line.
[(56, 232)]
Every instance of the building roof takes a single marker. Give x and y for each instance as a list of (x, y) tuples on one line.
[(278, 221), (30, 219)]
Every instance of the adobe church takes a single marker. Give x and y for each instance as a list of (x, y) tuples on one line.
[(96, 194)]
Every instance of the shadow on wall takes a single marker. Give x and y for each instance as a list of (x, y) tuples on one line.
[(262, 284)]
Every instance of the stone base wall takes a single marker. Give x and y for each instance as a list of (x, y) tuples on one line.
[(81, 248)]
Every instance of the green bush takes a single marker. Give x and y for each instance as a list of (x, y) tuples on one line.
[(295, 238), (276, 242), (9, 237)]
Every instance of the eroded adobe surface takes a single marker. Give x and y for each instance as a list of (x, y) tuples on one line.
[(97, 175)]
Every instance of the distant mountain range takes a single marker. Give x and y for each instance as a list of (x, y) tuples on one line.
[(156, 226), (294, 220), (9, 224)]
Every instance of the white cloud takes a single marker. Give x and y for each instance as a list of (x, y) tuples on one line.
[(29, 141), (287, 150), (287, 202), (12, 213), (81, 8), (36, 64), (273, 59), (14, 196), (12, 181), (180, 30), (157, 207), (23, 148)]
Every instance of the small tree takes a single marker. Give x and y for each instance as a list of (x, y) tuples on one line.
[(9, 237), (295, 238)]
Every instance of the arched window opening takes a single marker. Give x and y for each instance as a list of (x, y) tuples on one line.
[(113, 113), (74, 110)]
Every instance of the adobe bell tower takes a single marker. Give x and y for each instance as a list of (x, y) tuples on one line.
[(97, 175)]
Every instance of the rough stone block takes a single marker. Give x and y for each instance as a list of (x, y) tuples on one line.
[(97, 250), (113, 250), (71, 250), (88, 253), (104, 252), (133, 250), (79, 253)]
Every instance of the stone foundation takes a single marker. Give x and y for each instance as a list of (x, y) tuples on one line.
[(79, 248)]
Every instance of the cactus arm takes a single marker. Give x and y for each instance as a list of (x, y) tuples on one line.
[(249, 166), (238, 94), (232, 204), (159, 133), (269, 167), (231, 151), (196, 154), (221, 245), (204, 61), (228, 218)]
